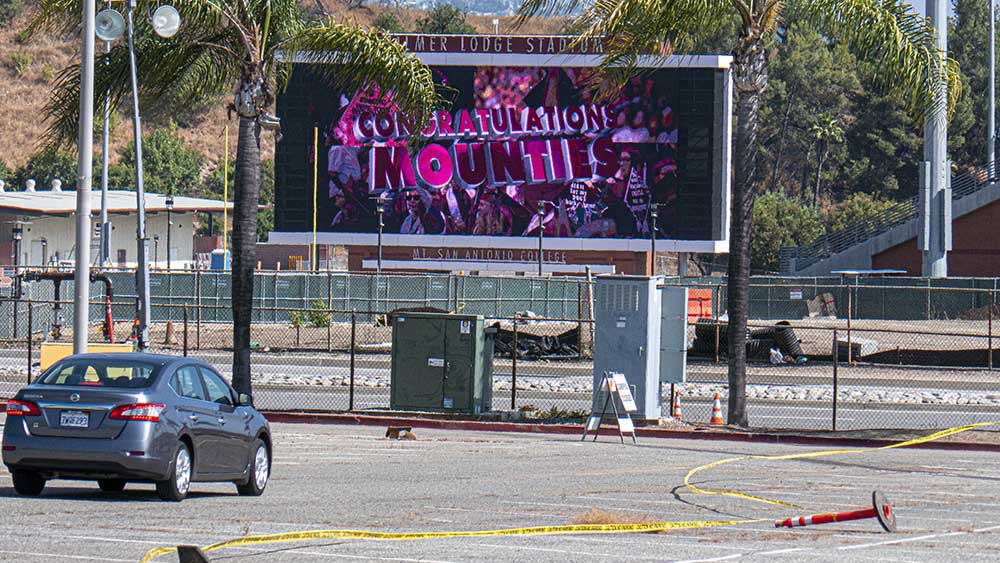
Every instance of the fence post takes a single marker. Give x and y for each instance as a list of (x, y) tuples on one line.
[(850, 356), (836, 363), (989, 337), (513, 370), (329, 308), (30, 324), (185, 330), (579, 320), (197, 312), (350, 388)]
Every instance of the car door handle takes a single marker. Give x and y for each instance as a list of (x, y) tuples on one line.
[(222, 420), (193, 417)]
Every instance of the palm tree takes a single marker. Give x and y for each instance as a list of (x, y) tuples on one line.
[(898, 42), (239, 46), (824, 132)]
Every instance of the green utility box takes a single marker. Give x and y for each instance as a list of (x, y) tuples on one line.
[(441, 362)]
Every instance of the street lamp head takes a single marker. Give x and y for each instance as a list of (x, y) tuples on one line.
[(654, 210), (166, 21), (18, 232), (380, 202), (170, 203), (541, 207), (109, 25)]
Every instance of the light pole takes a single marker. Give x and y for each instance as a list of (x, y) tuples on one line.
[(18, 233), (84, 173), (934, 237), (170, 226), (541, 231), (653, 214), (991, 128), (380, 209)]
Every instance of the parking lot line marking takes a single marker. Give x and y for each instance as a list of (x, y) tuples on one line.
[(893, 542), (990, 529), (720, 558), (780, 551), (63, 556), (563, 551)]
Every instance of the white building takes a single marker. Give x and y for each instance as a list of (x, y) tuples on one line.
[(48, 222)]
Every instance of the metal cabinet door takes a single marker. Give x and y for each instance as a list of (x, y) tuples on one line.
[(419, 370), (459, 373)]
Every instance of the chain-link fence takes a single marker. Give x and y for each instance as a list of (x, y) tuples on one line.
[(819, 372)]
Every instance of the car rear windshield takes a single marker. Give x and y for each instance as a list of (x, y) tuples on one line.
[(102, 373)]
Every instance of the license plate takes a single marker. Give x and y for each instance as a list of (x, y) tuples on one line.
[(74, 419)]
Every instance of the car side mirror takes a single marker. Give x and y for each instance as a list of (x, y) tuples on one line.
[(245, 400)]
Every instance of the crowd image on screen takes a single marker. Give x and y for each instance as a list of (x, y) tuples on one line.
[(614, 205)]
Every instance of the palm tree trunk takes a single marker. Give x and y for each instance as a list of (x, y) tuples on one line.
[(750, 70), (820, 159), (781, 143), (247, 194)]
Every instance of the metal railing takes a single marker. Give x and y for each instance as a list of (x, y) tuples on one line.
[(901, 213)]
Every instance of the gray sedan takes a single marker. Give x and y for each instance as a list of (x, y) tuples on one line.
[(119, 418)]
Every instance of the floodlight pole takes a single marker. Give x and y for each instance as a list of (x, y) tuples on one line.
[(934, 237), (653, 213), (142, 270), (541, 232), (380, 208), (104, 256), (84, 171), (991, 128)]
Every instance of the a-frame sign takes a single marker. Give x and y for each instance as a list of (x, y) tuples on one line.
[(619, 394)]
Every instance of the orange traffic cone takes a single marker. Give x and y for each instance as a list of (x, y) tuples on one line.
[(135, 330), (677, 405), (717, 413)]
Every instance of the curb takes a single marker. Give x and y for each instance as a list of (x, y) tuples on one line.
[(695, 433)]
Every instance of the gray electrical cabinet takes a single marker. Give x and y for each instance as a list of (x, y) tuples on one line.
[(627, 324), (673, 334), (441, 362)]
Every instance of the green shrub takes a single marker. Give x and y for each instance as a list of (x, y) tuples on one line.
[(297, 318), (388, 23), (779, 220), (20, 62), (319, 317), (9, 9), (48, 73)]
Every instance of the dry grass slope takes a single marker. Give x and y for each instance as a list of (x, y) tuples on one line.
[(25, 86)]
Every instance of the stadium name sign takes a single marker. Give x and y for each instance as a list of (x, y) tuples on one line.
[(506, 44)]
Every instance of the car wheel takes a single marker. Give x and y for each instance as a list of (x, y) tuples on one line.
[(28, 483), (111, 485), (176, 486), (260, 470)]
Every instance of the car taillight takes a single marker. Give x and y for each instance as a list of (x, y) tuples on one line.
[(17, 407), (138, 411)]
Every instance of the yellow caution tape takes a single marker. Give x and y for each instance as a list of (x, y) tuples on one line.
[(579, 528), (823, 453), (398, 536)]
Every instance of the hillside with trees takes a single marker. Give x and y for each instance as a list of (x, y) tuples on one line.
[(833, 148)]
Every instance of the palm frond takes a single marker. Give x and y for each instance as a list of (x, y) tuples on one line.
[(899, 42), (181, 71), (356, 58)]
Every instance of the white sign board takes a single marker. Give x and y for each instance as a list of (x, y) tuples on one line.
[(625, 392)]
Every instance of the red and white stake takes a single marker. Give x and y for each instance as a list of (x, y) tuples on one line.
[(881, 509)]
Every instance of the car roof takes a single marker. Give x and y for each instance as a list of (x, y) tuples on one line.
[(145, 357)]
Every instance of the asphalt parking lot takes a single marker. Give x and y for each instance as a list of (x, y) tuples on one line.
[(947, 503)]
